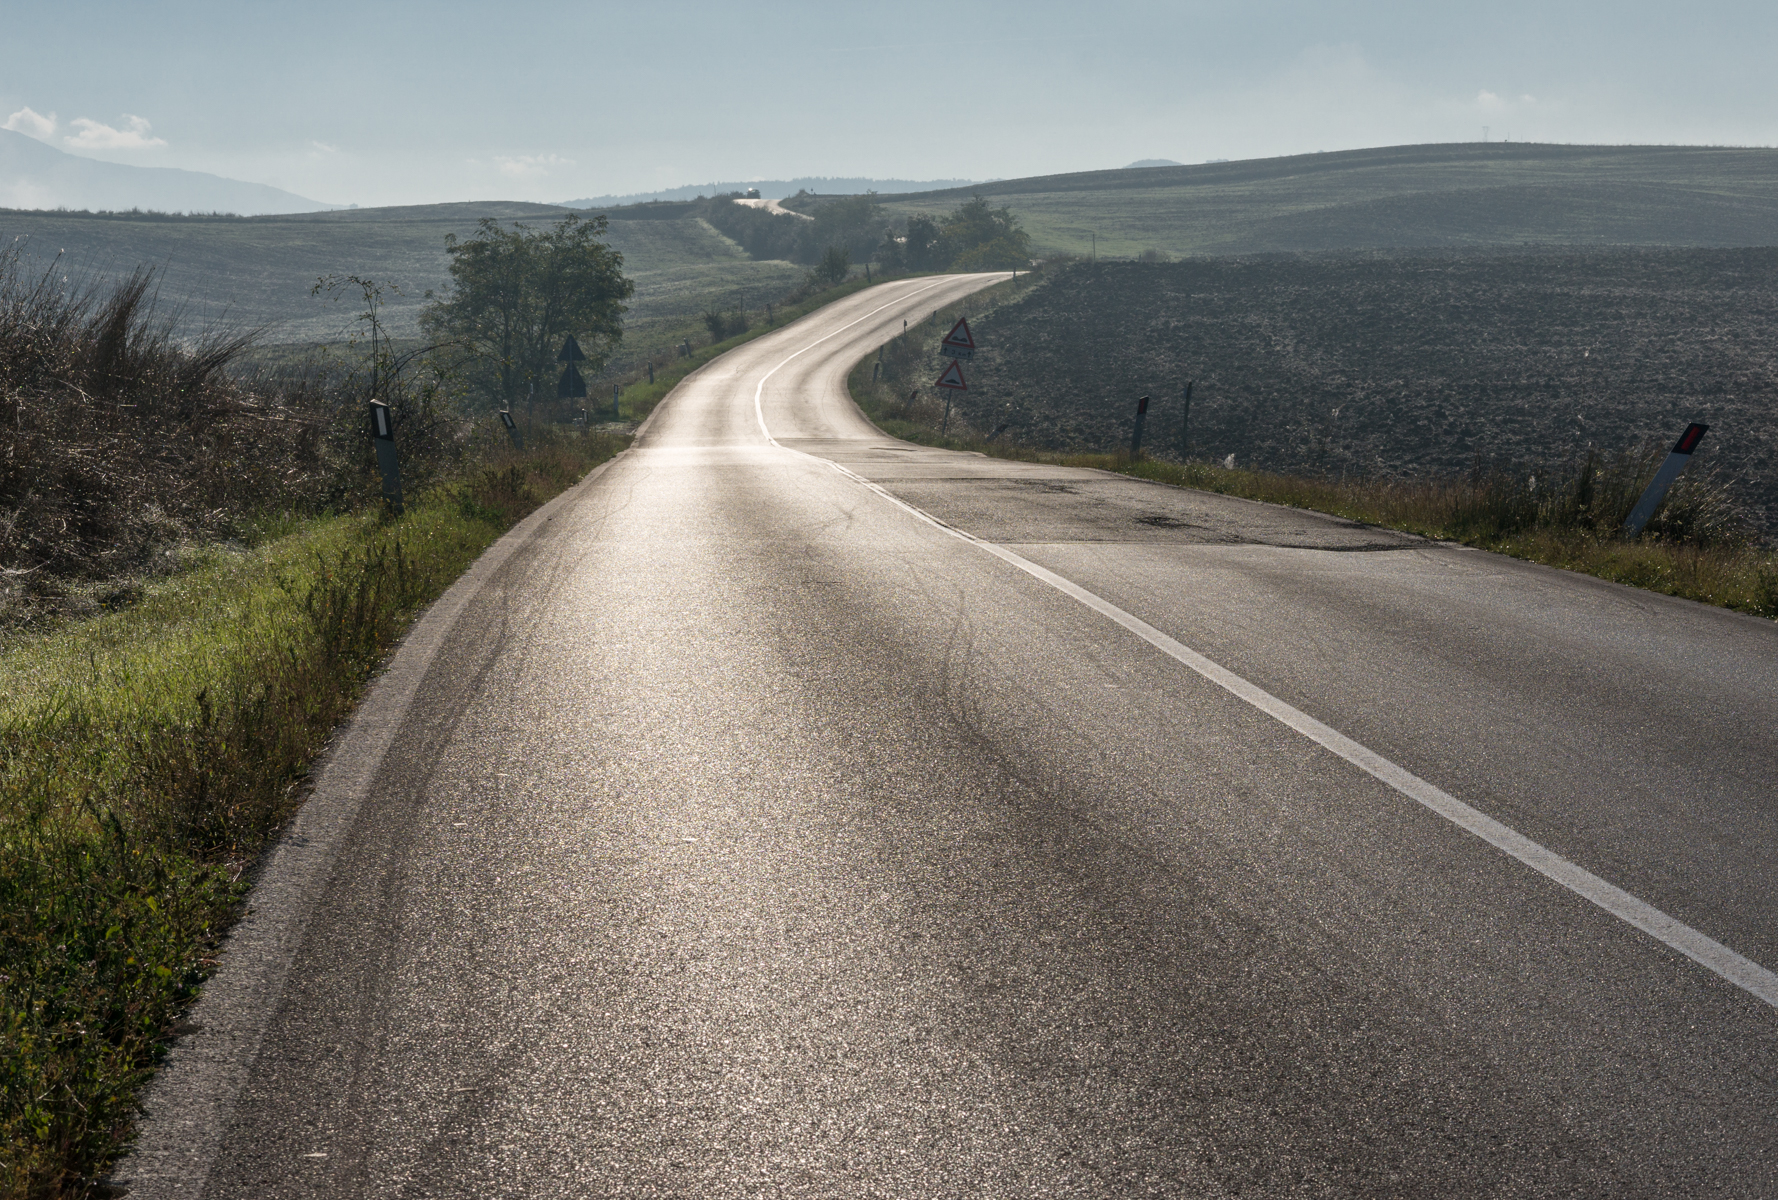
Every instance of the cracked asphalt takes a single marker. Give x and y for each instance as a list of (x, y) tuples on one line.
[(734, 832)]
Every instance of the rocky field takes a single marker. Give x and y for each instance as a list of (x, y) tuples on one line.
[(1400, 364)]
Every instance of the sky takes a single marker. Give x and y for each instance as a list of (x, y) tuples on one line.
[(376, 103)]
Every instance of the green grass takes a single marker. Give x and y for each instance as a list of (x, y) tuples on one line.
[(1465, 194), (1731, 573), (148, 754)]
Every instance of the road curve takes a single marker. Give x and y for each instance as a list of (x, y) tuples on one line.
[(767, 816)]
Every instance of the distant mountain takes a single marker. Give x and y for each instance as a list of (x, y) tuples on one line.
[(35, 175), (775, 189), (1154, 162)]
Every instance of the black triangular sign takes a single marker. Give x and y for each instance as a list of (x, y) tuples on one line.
[(570, 384), (571, 354)]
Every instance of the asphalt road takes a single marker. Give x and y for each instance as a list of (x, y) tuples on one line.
[(733, 830)]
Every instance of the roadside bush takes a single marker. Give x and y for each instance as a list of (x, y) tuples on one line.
[(836, 262)]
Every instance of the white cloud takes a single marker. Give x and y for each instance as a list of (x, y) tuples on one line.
[(530, 166), (31, 122), (323, 147), (94, 136)]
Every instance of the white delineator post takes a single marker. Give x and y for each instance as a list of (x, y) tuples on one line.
[(1670, 469), (382, 436)]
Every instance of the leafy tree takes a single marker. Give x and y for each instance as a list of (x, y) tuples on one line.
[(922, 250), (516, 293), (978, 238), (835, 263), (856, 223)]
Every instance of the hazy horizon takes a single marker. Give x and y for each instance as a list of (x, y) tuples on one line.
[(459, 108)]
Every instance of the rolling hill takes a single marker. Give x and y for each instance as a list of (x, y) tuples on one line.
[(1464, 194), (257, 271), (251, 272)]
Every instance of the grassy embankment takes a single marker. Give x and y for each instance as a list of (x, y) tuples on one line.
[(196, 581), (1694, 548), (149, 752)]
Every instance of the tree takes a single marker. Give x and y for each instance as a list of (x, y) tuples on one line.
[(516, 293), (979, 238), (856, 223), (836, 262), (921, 248)]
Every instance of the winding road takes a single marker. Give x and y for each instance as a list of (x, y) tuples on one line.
[(790, 811)]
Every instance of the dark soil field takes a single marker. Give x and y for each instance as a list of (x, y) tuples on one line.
[(1397, 365)]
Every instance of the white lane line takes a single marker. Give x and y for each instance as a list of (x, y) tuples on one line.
[(759, 412), (1744, 973)]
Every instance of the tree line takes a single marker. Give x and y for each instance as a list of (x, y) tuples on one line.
[(858, 229)]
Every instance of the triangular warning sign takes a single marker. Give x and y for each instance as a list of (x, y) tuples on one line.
[(571, 352), (570, 385), (953, 378), (959, 336)]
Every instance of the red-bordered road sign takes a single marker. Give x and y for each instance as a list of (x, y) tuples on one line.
[(953, 378), (958, 343)]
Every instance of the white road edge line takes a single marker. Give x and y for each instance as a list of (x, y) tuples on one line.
[(1744, 973)]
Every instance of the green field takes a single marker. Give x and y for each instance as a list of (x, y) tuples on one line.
[(1466, 194), (257, 271)]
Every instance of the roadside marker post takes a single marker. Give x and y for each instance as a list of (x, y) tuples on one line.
[(1141, 419), (651, 373), (953, 382), (512, 430), (1670, 469), (382, 436), (615, 414)]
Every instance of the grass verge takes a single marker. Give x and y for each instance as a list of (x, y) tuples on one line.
[(1490, 512), (146, 755)]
